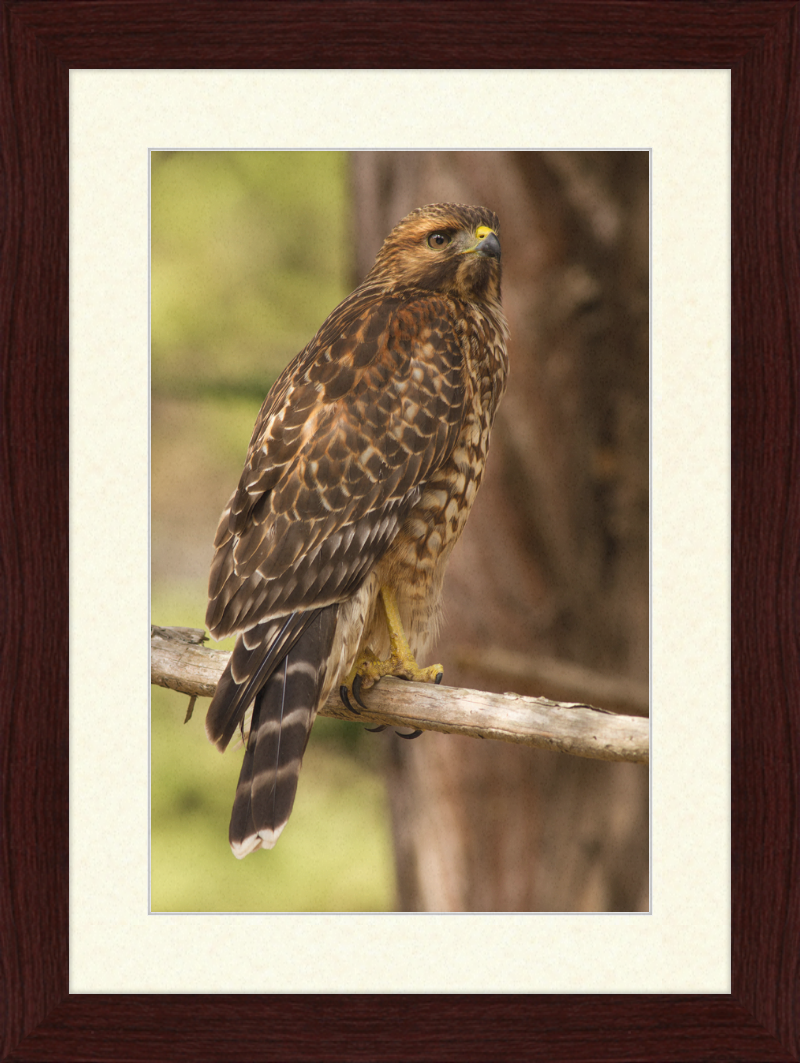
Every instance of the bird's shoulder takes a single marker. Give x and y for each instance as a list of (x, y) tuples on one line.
[(373, 346)]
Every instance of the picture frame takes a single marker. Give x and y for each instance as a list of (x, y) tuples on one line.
[(757, 1020)]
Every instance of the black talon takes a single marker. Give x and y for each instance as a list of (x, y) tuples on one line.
[(380, 727), (413, 734), (346, 700), (439, 678), (357, 691)]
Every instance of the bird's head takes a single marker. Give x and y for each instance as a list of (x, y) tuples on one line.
[(446, 248)]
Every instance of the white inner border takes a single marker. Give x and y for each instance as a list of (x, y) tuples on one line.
[(116, 117)]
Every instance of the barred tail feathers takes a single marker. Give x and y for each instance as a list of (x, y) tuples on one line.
[(283, 712), (255, 656)]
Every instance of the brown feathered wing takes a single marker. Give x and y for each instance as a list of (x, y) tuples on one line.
[(347, 436)]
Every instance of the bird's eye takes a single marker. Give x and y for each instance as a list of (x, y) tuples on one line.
[(438, 240)]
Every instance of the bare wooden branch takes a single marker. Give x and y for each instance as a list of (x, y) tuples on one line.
[(181, 662)]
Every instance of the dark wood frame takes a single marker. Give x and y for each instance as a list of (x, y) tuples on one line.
[(760, 42)]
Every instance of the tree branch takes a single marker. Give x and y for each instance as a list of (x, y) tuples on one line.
[(180, 661)]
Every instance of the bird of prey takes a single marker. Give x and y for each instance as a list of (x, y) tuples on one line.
[(363, 466)]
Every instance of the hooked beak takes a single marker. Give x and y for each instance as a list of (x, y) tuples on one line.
[(489, 246)]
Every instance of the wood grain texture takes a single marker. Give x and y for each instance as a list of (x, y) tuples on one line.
[(759, 41), (178, 661)]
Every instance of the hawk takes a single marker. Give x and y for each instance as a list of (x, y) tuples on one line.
[(362, 469)]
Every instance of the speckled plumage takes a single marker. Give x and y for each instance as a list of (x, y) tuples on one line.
[(361, 471)]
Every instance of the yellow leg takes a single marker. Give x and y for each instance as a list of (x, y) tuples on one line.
[(401, 658), (368, 669)]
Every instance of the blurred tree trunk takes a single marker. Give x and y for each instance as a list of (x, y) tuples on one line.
[(554, 560)]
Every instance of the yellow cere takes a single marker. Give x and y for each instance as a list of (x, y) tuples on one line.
[(482, 231)]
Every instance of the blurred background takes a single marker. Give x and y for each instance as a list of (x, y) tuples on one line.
[(546, 593)]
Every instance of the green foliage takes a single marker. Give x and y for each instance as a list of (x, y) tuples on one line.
[(250, 253), (335, 854)]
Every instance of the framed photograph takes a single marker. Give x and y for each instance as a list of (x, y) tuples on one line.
[(51, 1010)]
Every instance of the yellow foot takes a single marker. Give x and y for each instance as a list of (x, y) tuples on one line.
[(369, 668)]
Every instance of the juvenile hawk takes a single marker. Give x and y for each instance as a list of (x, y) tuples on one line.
[(361, 472)]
